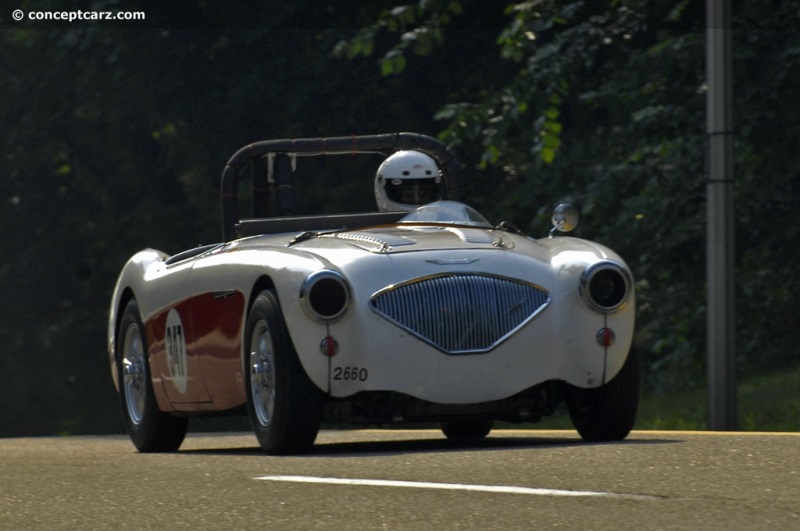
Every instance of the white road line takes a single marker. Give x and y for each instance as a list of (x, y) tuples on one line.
[(457, 486)]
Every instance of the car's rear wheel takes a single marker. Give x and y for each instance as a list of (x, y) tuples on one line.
[(465, 429), (149, 429), (284, 406), (608, 412)]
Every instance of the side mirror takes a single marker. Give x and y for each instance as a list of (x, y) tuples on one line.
[(565, 218)]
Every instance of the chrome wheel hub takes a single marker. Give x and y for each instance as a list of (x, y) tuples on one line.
[(133, 374), (262, 374)]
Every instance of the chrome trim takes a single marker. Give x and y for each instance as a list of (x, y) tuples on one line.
[(308, 285), (589, 274), (224, 294), (461, 313), (456, 261), (382, 240)]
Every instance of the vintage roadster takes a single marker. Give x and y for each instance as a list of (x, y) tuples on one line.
[(429, 314)]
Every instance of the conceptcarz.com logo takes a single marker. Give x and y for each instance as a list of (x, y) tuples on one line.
[(72, 16)]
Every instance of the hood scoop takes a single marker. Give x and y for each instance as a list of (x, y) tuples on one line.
[(383, 241), (472, 235)]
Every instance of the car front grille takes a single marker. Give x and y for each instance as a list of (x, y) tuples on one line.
[(461, 313)]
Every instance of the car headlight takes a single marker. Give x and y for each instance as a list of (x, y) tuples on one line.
[(325, 295), (606, 286)]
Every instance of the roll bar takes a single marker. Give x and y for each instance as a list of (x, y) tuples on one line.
[(349, 145)]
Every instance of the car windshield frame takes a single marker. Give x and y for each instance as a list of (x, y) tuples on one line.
[(446, 213)]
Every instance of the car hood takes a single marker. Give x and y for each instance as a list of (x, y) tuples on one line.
[(401, 239), (410, 239), (398, 251)]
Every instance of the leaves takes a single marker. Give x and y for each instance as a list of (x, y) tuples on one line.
[(420, 27), (116, 142), (606, 106), (117, 139)]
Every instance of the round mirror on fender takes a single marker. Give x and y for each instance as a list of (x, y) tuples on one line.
[(565, 218)]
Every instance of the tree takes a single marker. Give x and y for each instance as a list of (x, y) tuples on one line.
[(606, 108), (116, 137)]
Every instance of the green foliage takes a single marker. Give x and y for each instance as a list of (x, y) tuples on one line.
[(766, 402), (606, 108), (420, 30), (115, 139)]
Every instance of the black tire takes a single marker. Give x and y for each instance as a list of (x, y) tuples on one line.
[(608, 413), (284, 406), (466, 429), (150, 430)]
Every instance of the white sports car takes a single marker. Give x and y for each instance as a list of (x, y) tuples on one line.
[(432, 315)]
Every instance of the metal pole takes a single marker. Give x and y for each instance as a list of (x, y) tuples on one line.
[(721, 337)]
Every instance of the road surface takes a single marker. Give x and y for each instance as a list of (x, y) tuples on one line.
[(402, 479)]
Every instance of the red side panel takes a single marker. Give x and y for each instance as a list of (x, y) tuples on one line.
[(173, 359), (195, 353), (218, 328)]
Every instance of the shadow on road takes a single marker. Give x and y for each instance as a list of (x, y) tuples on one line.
[(348, 449), (398, 446)]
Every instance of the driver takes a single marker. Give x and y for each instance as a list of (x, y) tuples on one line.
[(406, 180)]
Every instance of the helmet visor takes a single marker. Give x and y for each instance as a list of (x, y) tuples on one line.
[(414, 191)]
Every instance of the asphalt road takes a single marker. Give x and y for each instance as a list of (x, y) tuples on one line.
[(376, 479)]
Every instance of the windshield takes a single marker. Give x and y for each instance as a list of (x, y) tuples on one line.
[(446, 212)]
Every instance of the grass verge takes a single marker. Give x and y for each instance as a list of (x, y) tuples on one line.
[(768, 402)]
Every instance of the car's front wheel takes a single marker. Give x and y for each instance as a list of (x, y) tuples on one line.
[(608, 412), (284, 406), (149, 429)]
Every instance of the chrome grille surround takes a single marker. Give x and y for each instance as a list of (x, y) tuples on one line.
[(461, 313)]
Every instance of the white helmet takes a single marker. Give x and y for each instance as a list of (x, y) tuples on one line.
[(406, 180)]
